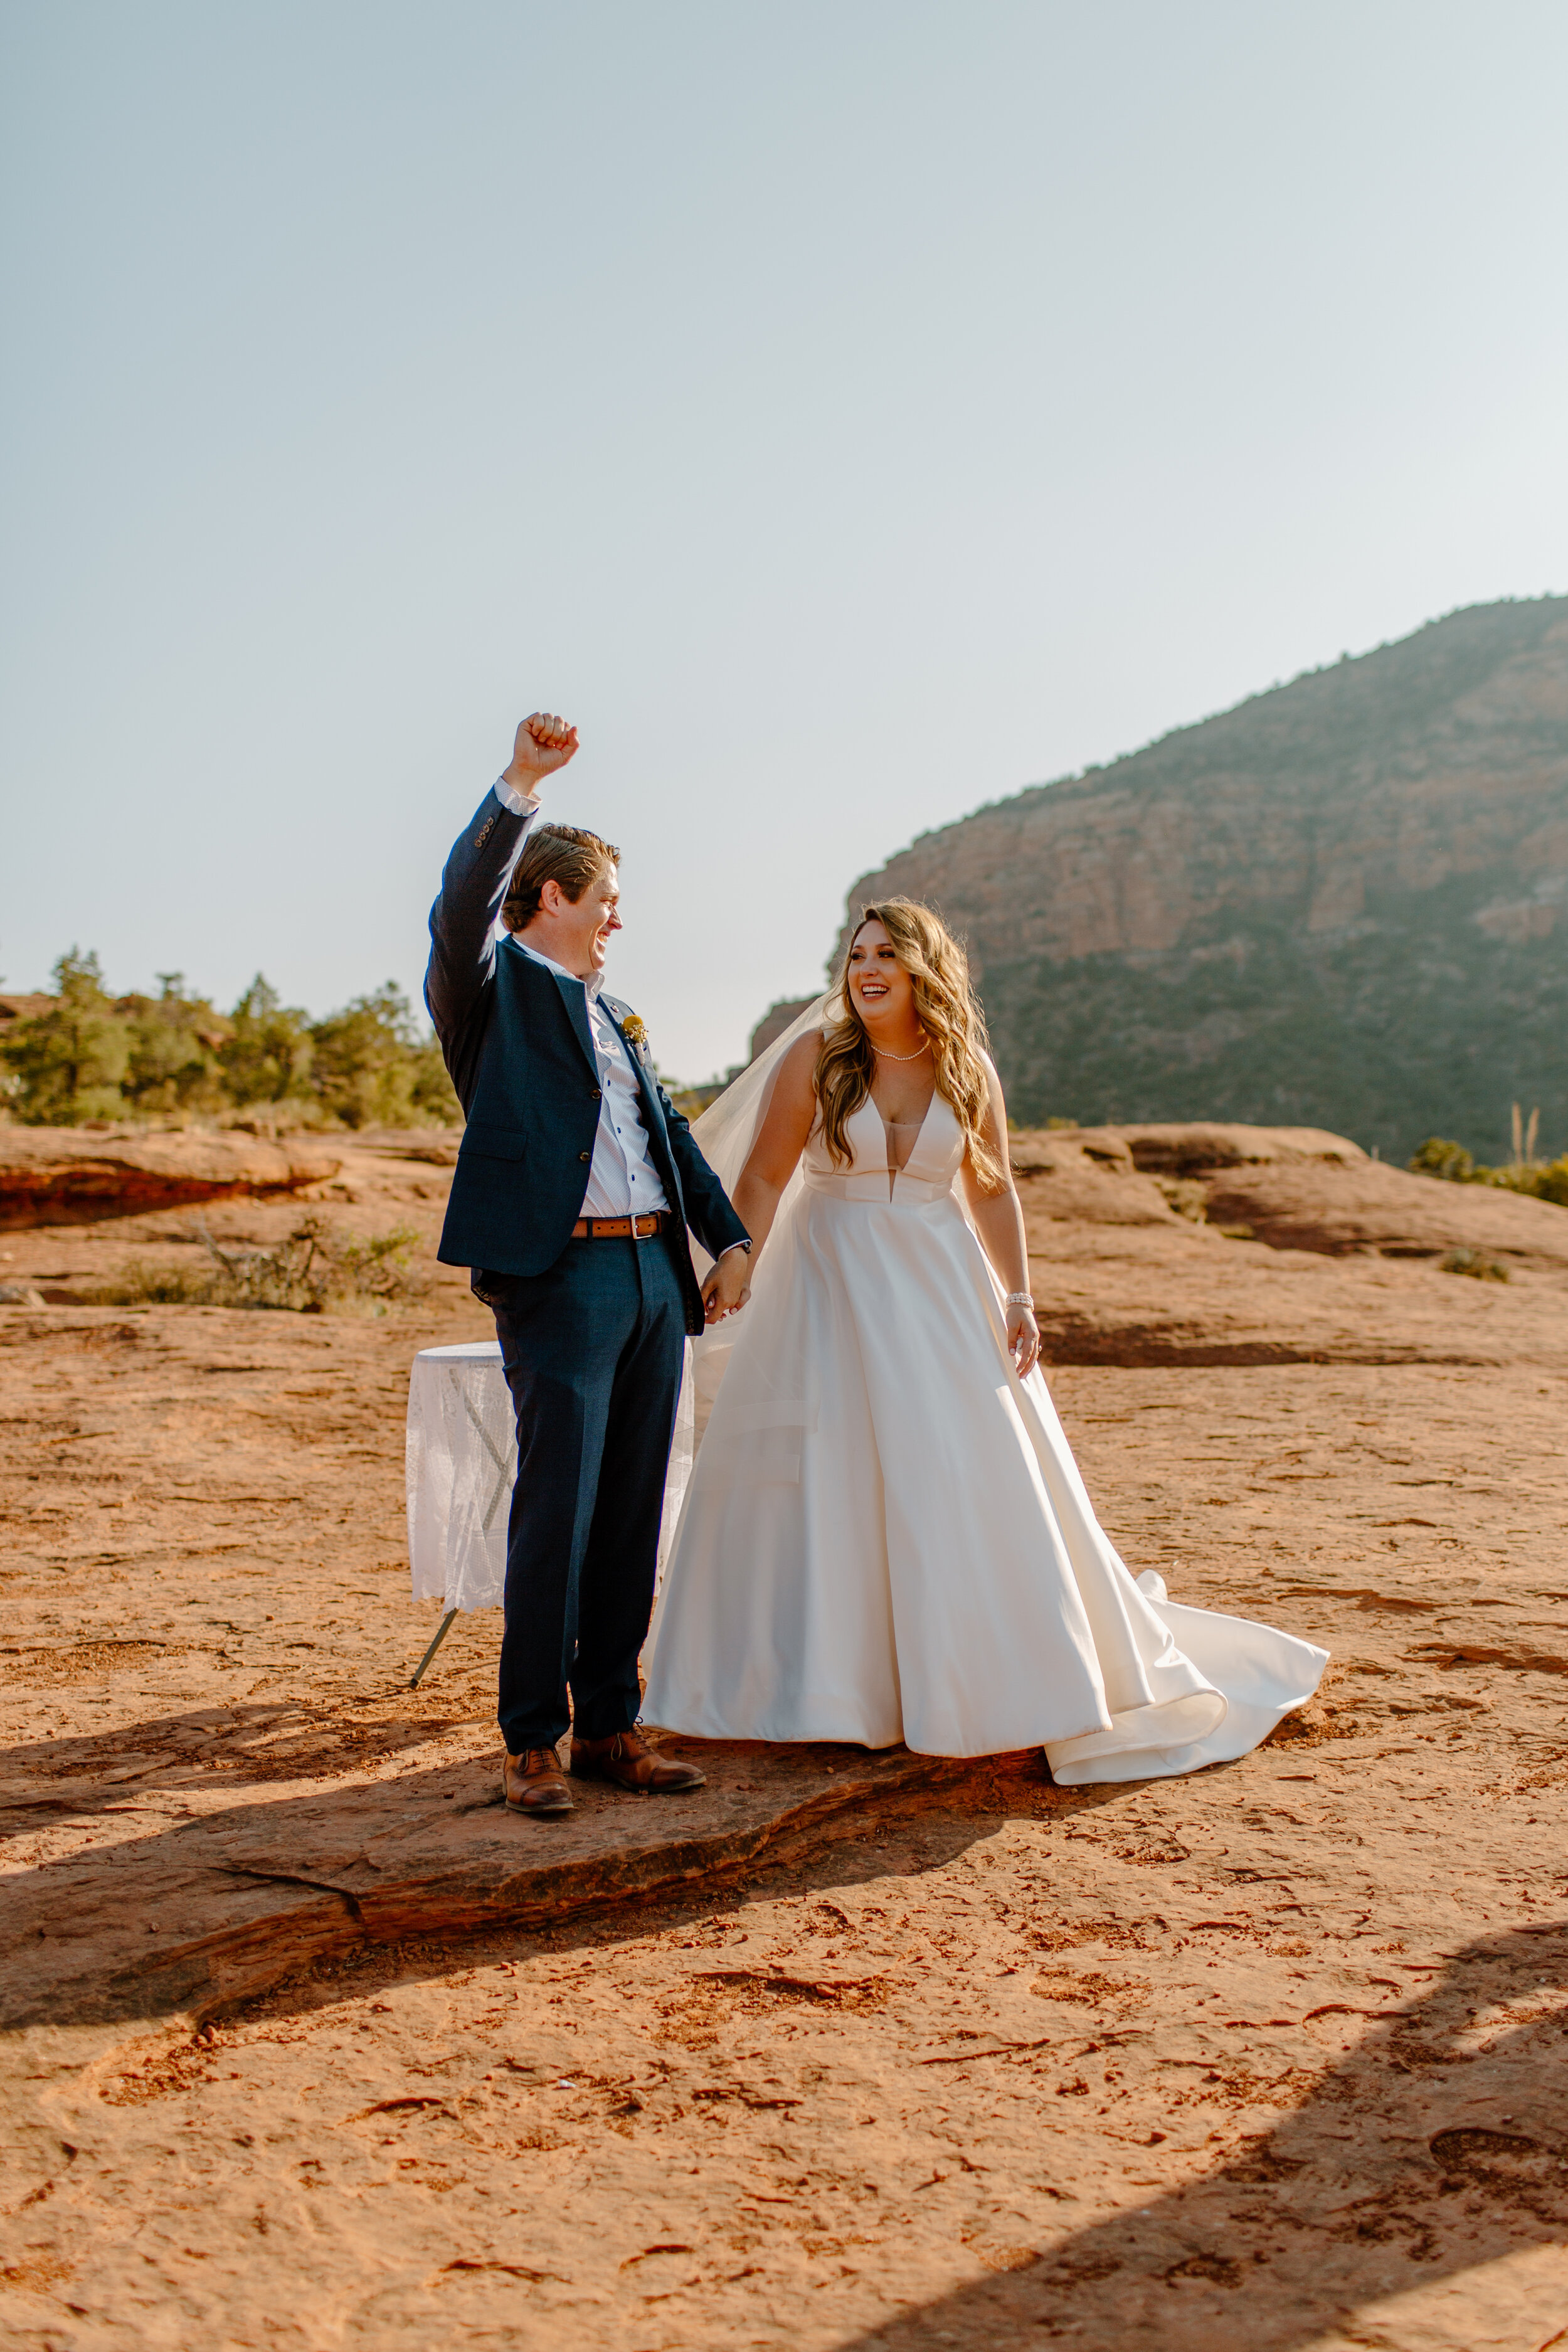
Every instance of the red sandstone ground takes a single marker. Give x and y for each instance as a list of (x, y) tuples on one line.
[(1271, 2057)]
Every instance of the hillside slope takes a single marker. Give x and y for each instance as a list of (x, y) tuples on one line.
[(1342, 904)]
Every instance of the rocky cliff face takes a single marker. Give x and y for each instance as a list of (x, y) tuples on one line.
[(1344, 904), (70, 1176)]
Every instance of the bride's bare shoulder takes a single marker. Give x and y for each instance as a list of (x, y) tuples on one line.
[(798, 1068), (791, 1110), (794, 1098)]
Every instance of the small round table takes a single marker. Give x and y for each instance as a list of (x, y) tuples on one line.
[(460, 1466), (459, 1462)]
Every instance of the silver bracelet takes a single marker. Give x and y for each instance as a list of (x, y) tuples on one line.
[(1020, 1298)]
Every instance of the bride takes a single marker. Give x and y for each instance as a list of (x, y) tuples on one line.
[(886, 1536)]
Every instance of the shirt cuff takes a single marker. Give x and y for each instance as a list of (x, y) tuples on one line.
[(725, 1252), (519, 803)]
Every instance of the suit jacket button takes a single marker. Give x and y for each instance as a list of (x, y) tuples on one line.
[(585, 1155)]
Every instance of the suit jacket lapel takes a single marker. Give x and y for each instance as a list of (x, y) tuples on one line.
[(653, 1110), (573, 998), (654, 1114)]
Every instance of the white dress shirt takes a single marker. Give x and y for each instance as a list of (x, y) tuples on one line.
[(623, 1181)]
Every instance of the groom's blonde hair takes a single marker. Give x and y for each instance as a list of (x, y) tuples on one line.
[(948, 1011)]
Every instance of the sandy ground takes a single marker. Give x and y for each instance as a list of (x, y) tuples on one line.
[(1270, 2057)]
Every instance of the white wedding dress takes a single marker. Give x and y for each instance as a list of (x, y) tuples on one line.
[(885, 1536)]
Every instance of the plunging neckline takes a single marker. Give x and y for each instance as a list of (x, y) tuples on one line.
[(895, 1169)]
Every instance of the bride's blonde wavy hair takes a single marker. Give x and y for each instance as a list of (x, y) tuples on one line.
[(948, 1011)]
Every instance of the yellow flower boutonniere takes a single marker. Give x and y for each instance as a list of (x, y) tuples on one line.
[(633, 1031)]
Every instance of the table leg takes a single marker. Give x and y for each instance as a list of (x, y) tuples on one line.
[(502, 1481), (441, 1632)]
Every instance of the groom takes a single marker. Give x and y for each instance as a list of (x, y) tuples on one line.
[(576, 1182)]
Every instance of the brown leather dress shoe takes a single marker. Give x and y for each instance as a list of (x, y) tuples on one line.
[(630, 1759), (532, 1782)]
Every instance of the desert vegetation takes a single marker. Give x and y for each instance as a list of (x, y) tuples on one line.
[(79, 1055), (314, 1269), (1542, 1180)]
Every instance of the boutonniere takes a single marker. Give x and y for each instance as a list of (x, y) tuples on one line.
[(633, 1030)]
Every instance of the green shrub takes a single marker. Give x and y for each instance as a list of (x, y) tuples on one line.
[(1538, 1180), (310, 1271), (1475, 1263), (1543, 1183), (150, 1282), (1450, 1161)]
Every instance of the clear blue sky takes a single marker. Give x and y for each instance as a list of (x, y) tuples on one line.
[(847, 413)]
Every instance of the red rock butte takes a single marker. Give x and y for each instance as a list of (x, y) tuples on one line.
[(1342, 904)]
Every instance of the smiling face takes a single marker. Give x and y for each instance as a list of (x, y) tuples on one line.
[(576, 932), (879, 988), (598, 914)]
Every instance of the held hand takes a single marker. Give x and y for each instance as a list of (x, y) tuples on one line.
[(543, 744), (1023, 1339), (728, 1286)]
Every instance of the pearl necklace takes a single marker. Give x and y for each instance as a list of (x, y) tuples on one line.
[(885, 1057)]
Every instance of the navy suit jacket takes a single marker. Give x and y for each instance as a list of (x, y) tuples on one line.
[(517, 1043)]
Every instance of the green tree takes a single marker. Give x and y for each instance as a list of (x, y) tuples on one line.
[(69, 1061), (372, 1068), (174, 1051), (266, 1056), (93, 1057), (430, 1089)]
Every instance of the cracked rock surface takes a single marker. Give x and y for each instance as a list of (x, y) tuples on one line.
[(311, 2044)]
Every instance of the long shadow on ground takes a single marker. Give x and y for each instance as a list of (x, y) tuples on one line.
[(1437, 2146)]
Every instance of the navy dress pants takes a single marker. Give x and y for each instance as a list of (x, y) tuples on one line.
[(592, 1351)]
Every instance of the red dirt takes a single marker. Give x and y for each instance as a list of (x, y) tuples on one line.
[(1267, 2058)]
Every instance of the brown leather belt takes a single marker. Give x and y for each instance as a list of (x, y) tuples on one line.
[(621, 1229)]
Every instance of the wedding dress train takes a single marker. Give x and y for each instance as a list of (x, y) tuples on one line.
[(885, 1537)]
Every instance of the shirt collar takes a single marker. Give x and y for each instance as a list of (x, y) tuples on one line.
[(591, 986)]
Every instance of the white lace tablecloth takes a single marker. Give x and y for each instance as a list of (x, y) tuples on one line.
[(460, 1462)]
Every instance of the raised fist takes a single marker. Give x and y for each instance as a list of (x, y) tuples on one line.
[(543, 744)]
